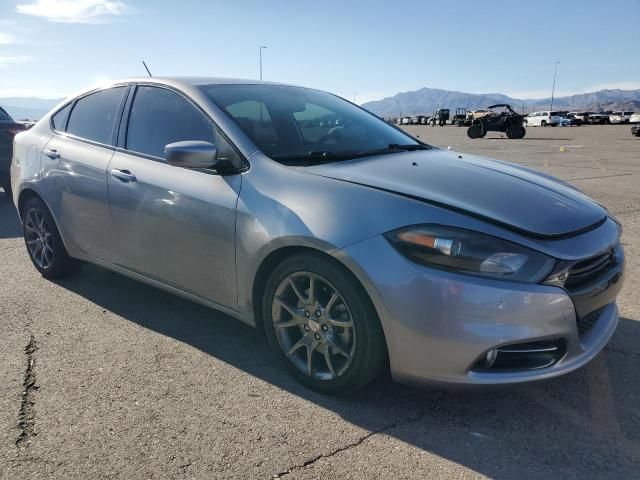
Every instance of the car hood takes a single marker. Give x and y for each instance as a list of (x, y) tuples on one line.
[(511, 196)]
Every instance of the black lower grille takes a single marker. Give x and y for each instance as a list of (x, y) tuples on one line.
[(520, 357), (587, 322)]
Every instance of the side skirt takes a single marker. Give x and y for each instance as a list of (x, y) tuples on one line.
[(170, 289)]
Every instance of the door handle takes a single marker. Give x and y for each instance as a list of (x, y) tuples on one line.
[(52, 154), (123, 175)]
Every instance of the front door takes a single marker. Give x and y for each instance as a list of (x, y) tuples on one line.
[(173, 224)]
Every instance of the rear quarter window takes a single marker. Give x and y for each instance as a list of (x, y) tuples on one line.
[(93, 117), (59, 120), (4, 116)]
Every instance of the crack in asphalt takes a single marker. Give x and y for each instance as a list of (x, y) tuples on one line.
[(27, 416), (602, 176), (359, 441)]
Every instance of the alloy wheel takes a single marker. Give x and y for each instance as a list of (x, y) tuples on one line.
[(313, 325), (38, 238)]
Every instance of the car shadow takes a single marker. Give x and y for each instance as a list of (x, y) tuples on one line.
[(10, 226), (586, 424)]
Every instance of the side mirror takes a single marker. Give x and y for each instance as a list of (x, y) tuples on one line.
[(191, 154)]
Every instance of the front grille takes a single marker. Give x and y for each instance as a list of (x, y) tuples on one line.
[(586, 270), (587, 322)]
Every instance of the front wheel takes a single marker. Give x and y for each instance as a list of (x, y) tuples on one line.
[(43, 241), (322, 324), (474, 131)]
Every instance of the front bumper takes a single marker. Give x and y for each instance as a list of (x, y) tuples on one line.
[(438, 324)]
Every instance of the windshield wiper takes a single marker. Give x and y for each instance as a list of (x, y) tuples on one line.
[(314, 156), (393, 147), (318, 156)]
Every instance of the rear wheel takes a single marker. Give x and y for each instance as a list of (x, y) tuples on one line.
[(321, 323), (515, 131), (543, 123), (44, 244)]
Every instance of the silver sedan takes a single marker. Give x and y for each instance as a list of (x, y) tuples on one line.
[(353, 245)]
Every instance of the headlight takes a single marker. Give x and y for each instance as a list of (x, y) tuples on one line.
[(469, 252)]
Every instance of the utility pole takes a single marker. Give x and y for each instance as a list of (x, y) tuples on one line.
[(261, 48), (553, 89)]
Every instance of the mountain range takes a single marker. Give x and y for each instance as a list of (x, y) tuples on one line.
[(422, 101), (425, 100), (28, 108)]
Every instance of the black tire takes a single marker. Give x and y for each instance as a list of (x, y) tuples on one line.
[(370, 354), (543, 123), (58, 263), (515, 131), (475, 131)]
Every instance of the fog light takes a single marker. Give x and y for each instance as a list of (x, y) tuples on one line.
[(491, 358)]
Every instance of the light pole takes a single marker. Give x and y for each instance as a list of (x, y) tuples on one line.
[(261, 48), (553, 89)]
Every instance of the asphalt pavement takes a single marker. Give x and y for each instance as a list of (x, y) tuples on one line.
[(103, 377)]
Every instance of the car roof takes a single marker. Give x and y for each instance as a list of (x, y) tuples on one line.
[(197, 81)]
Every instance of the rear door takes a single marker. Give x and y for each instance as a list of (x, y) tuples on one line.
[(174, 225), (74, 167)]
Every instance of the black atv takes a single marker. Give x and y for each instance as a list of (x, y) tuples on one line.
[(507, 121)]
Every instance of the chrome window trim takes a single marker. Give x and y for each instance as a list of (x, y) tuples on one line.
[(72, 102), (124, 123)]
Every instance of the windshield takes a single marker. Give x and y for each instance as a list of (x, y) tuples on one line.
[(4, 116), (294, 123)]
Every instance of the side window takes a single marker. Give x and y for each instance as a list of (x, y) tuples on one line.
[(4, 116), (315, 121), (254, 119), (59, 120), (93, 117), (159, 117)]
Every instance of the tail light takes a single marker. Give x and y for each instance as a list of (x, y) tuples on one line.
[(16, 129)]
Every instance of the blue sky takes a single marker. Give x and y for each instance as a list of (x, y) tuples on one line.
[(371, 48)]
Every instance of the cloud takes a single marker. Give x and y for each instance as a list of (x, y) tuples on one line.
[(6, 38), (633, 85), (32, 92), (74, 11), (8, 61)]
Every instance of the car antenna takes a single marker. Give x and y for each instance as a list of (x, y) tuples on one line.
[(146, 68)]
